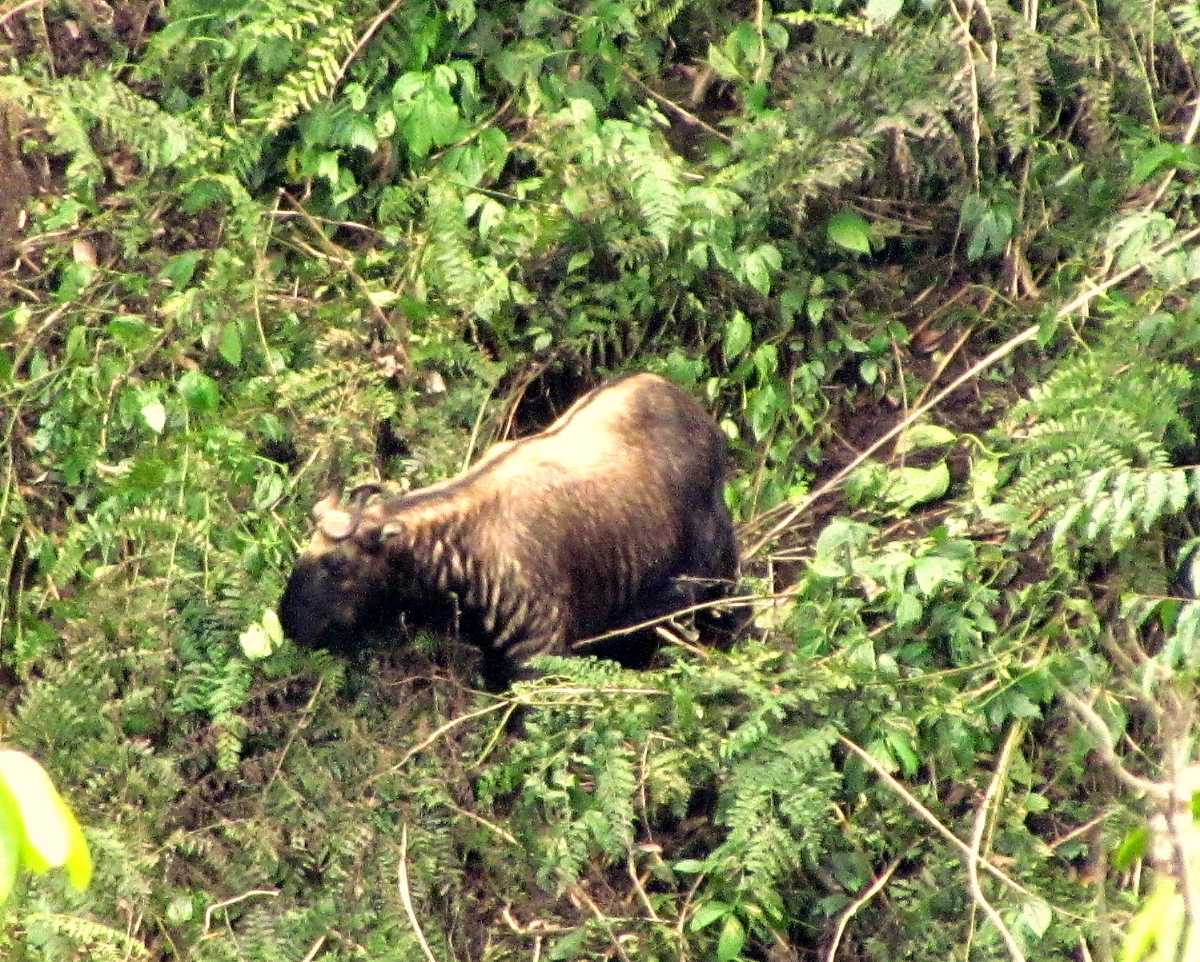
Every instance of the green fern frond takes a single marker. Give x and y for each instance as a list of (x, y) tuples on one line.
[(315, 76)]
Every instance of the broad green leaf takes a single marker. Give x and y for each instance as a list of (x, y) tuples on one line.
[(180, 268), (837, 545), (910, 486), (882, 12), (708, 913), (271, 625), (230, 345), (1036, 916), (1134, 845), (328, 167), (733, 937), (737, 336), (575, 200), (360, 132), (850, 231), (491, 216), (901, 746), (50, 836), (921, 436), (131, 332), (1148, 161), (726, 69), (10, 845), (199, 390), (683, 370), (385, 124), (932, 571), (908, 611), (255, 642), (991, 233), (155, 416), (758, 265)]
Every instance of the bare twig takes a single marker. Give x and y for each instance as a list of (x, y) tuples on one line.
[(316, 947), (425, 743), (1095, 725), (406, 895), (578, 893), (496, 829), (1189, 135), (674, 107), (737, 601), (296, 729), (1003, 351), (853, 908), (217, 906), (932, 820), (981, 822), (372, 29), (640, 889), (19, 8), (343, 258)]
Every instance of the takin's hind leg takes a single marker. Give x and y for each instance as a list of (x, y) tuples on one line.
[(635, 648), (712, 568)]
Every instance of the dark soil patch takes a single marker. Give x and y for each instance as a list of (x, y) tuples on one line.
[(88, 35)]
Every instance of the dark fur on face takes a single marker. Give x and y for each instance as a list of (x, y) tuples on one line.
[(611, 516)]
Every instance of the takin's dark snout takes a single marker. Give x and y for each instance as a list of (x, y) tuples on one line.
[(611, 516)]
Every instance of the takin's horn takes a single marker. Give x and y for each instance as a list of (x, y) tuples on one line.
[(326, 504), (337, 524), (360, 494)]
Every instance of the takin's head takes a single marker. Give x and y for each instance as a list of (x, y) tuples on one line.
[(342, 585)]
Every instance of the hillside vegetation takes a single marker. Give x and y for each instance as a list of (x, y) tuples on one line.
[(933, 268)]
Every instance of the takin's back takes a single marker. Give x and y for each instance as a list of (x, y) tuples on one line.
[(595, 523)]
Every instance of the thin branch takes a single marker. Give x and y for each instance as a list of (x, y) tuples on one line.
[(932, 820), (674, 107), (296, 729), (332, 250), (1189, 135), (496, 829), (425, 743), (1005, 349), (406, 895), (372, 29), (981, 822), (1095, 725), (640, 889), (217, 906), (19, 8), (853, 908), (578, 893)]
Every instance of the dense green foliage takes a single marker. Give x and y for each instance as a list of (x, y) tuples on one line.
[(257, 250)]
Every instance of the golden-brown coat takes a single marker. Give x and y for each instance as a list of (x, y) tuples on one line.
[(596, 523)]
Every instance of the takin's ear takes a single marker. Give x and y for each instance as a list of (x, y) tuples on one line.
[(333, 522), (389, 530)]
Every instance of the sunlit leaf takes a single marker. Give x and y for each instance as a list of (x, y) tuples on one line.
[(849, 230)]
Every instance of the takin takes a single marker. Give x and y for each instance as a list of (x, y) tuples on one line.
[(610, 517)]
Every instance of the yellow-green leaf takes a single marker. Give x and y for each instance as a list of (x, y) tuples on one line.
[(10, 844), (850, 231), (50, 836)]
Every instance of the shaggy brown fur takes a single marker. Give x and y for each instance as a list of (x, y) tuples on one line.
[(611, 516)]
